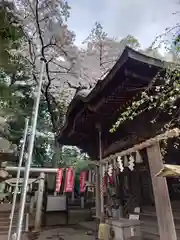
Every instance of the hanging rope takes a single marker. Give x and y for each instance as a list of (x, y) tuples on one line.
[(169, 134)]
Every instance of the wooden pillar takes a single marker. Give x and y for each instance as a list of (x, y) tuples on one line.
[(98, 200), (90, 176), (162, 201), (135, 188), (99, 128), (101, 192)]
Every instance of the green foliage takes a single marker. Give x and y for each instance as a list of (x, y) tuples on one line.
[(10, 36), (131, 41), (177, 42), (84, 165), (71, 156), (8, 98), (97, 34), (17, 88), (42, 152), (98, 37), (8, 31)]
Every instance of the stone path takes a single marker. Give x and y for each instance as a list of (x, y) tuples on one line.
[(65, 233), (90, 225), (83, 231)]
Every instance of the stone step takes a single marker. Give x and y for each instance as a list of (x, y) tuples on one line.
[(8, 218), (5, 228), (5, 223), (2, 225), (7, 214), (5, 211), (3, 235)]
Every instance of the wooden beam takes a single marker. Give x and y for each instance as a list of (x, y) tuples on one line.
[(104, 100), (161, 194), (169, 134), (129, 73)]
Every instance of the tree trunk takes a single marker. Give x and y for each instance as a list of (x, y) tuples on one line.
[(55, 164)]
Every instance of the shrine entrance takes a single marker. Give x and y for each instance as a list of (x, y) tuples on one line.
[(123, 168), (126, 181)]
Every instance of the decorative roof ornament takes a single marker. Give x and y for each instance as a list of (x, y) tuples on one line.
[(131, 163), (138, 157), (120, 163)]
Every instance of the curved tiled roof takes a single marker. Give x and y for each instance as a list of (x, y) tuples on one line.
[(147, 66)]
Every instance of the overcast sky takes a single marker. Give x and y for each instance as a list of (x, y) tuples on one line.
[(144, 19)]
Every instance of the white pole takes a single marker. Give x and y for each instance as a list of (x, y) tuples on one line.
[(39, 203), (31, 205), (34, 170), (27, 222), (18, 177), (30, 152)]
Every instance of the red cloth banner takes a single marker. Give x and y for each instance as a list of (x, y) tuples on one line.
[(69, 182), (59, 177), (82, 180)]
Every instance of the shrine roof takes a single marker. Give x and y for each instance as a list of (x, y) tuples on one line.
[(132, 73)]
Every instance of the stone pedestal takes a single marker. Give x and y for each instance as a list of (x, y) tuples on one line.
[(124, 229)]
